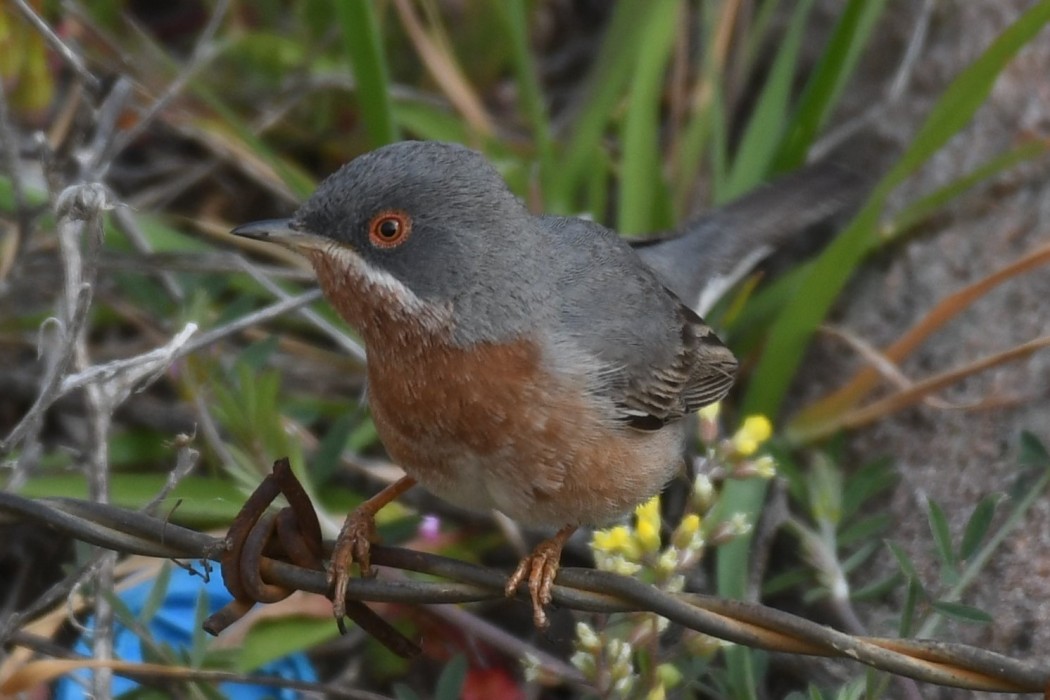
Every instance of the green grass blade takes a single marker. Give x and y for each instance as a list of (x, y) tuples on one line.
[(364, 48), (641, 176), (942, 538), (764, 129), (922, 209), (977, 526), (428, 122), (825, 85), (613, 67), (794, 327), (515, 19), (962, 613), (1032, 493), (697, 130)]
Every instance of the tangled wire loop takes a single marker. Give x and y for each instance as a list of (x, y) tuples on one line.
[(266, 556)]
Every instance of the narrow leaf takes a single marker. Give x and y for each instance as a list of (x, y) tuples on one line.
[(911, 601), (363, 42), (977, 526), (903, 560), (830, 75), (157, 594), (641, 175), (791, 333), (763, 131), (450, 684), (1033, 452), (963, 613), (613, 64), (942, 537)]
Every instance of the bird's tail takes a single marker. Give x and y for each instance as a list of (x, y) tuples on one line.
[(708, 254)]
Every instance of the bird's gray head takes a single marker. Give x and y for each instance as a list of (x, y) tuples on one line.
[(432, 218)]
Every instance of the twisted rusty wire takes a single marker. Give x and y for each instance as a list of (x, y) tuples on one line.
[(749, 624)]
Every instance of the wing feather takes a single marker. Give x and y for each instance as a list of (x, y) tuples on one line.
[(701, 372)]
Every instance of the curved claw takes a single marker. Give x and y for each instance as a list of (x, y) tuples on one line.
[(541, 568), (354, 544)]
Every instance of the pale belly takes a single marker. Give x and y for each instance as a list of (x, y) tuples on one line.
[(491, 428), (576, 472)]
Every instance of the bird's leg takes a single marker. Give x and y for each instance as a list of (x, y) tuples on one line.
[(355, 540), (541, 567)]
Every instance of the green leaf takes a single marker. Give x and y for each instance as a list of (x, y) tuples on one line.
[(794, 327), (903, 560), (1033, 452), (963, 613), (785, 581), (641, 179), (918, 211), (942, 537), (825, 84), (861, 555), (257, 355), (868, 482), (911, 602), (200, 639), (515, 19), (450, 683), (363, 42), (196, 501), (157, 593), (977, 526), (863, 529), (825, 491), (764, 129), (329, 454), (613, 66), (429, 122), (270, 640), (878, 588)]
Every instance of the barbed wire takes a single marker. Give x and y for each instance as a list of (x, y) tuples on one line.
[(749, 624)]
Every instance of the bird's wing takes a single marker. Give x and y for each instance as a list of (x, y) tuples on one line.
[(699, 371), (659, 360)]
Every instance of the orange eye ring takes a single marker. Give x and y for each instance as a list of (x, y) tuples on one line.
[(389, 229)]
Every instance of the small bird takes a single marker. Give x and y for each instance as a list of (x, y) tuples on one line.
[(535, 365)]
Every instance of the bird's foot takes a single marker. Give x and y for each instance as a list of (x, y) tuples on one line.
[(354, 544), (540, 569)]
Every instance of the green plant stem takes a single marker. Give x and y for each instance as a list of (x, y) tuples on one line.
[(364, 50)]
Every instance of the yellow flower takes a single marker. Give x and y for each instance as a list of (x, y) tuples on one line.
[(649, 512), (687, 536), (616, 540), (647, 529), (765, 467), (755, 430)]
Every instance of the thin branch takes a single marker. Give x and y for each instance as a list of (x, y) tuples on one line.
[(261, 316), (329, 329), (120, 377), (949, 664)]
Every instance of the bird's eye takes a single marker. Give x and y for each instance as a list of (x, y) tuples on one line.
[(389, 229)]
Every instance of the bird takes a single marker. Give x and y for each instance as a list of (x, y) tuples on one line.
[(536, 365)]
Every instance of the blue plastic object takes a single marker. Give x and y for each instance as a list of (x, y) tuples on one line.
[(173, 624)]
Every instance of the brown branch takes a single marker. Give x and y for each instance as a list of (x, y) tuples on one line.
[(754, 625)]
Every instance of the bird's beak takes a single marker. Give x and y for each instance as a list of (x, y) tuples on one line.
[(283, 232)]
